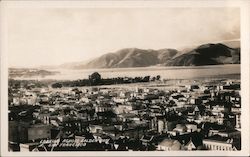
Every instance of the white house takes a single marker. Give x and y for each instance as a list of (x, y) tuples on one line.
[(169, 145)]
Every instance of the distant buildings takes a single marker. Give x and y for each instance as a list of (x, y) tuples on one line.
[(200, 116)]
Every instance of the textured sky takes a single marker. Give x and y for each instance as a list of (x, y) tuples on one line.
[(52, 36)]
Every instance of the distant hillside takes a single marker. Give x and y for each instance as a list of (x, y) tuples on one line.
[(26, 72), (131, 57), (227, 52), (208, 54)]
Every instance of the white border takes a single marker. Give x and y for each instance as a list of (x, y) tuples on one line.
[(245, 49)]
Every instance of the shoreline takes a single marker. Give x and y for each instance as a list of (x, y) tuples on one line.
[(164, 72)]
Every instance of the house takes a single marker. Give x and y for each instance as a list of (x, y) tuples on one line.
[(225, 133), (107, 115), (236, 110), (24, 132), (103, 108), (72, 126), (126, 116), (16, 101), (27, 147), (134, 132), (192, 87), (99, 128), (191, 127), (190, 145), (43, 99), (122, 109), (238, 121), (216, 110), (180, 128), (44, 117), (195, 100), (120, 100), (147, 140), (114, 133), (190, 141), (161, 125), (169, 145), (219, 143)]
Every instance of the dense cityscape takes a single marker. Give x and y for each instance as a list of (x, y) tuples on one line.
[(156, 115)]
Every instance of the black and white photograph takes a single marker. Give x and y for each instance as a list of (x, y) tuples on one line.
[(124, 78)]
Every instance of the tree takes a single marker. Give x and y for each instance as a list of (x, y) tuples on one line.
[(158, 77), (146, 79), (57, 85), (95, 78)]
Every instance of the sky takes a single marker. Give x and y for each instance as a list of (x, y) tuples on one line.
[(53, 36)]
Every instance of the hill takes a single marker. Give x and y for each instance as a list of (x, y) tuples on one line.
[(227, 52), (208, 54), (131, 57)]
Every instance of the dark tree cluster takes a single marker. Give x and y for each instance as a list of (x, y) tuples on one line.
[(95, 79)]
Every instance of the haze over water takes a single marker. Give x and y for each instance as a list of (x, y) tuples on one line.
[(165, 72)]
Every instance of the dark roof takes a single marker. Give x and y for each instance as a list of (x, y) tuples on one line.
[(147, 138), (195, 137), (213, 126), (109, 114)]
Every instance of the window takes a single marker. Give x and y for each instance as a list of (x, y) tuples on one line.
[(212, 147)]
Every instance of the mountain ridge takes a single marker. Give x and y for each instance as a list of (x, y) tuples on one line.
[(207, 54), (227, 52)]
